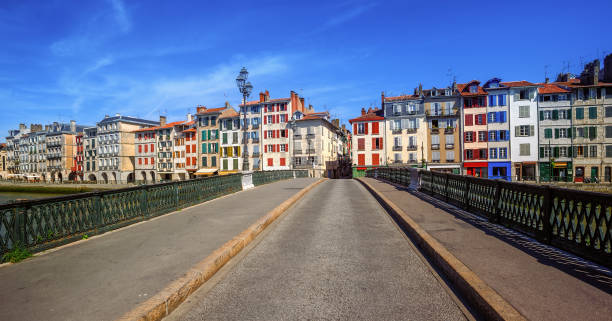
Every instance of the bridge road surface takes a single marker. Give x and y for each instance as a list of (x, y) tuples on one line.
[(335, 255), (107, 276)]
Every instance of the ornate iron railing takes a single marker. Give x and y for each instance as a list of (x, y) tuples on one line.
[(576, 221), (46, 223)]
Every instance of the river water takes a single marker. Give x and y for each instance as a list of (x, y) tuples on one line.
[(7, 197)]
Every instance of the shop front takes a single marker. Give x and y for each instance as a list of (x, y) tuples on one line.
[(556, 171), (445, 168), (500, 170), (476, 169), (525, 171)]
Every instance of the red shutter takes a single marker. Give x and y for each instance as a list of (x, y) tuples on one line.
[(282, 162), (277, 119), (465, 154), (265, 119), (265, 133), (375, 128), (286, 147), (374, 143), (278, 133), (380, 145), (140, 148), (468, 120), (146, 161), (361, 159), (152, 161), (277, 148), (484, 119), (365, 125), (355, 129), (139, 161), (265, 148), (152, 148), (476, 153), (265, 108), (375, 159), (270, 162)]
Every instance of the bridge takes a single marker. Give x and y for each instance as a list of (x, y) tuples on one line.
[(384, 247)]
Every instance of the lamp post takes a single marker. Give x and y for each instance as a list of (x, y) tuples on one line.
[(245, 88)]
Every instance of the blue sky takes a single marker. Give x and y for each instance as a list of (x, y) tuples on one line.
[(63, 60)]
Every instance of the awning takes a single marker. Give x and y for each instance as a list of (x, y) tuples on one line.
[(206, 171), (227, 172), (476, 164), (559, 165)]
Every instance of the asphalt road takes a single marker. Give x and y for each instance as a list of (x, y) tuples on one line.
[(335, 255), (107, 276)]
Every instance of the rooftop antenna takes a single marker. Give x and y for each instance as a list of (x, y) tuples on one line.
[(545, 71)]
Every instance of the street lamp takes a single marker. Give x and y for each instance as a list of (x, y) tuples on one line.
[(245, 88)]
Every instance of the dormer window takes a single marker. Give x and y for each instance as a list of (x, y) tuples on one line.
[(473, 89), (447, 92)]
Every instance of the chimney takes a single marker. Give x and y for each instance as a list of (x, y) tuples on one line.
[(73, 126), (22, 127), (105, 116), (189, 117), (262, 97), (46, 128), (117, 114), (546, 80), (454, 88), (370, 110), (363, 111), (302, 101), (162, 120), (267, 95), (336, 122), (420, 89), (343, 127), (227, 105), (35, 128), (590, 74), (607, 72), (382, 98)]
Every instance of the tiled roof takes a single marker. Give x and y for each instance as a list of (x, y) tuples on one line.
[(318, 115), (599, 84), (128, 119), (367, 117), (229, 113), (190, 130), (551, 89), (403, 97), (521, 83), (253, 102), (464, 89), (212, 110), (168, 125)]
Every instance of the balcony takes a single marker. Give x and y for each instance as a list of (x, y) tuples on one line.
[(449, 146), (435, 130), (310, 135), (255, 154), (397, 147), (255, 126), (397, 161), (435, 160), (255, 140), (435, 146), (297, 136), (411, 148), (411, 130), (297, 151), (449, 130), (396, 131)]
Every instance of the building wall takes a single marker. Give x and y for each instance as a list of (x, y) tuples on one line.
[(412, 129), (276, 147), (516, 120), (369, 151), (231, 145)]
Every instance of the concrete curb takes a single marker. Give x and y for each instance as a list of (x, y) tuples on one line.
[(164, 302), (482, 298)]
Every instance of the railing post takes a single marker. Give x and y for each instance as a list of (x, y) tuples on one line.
[(446, 187), (547, 214), (494, 217), (466, 198), (21, 221), (431, 183)]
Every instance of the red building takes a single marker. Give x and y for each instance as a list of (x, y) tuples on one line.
[(474, 128), (367, 144), (76, 171)]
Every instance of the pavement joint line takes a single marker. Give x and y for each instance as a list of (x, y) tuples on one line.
[(167, 300), (485, 300), (93, 237)]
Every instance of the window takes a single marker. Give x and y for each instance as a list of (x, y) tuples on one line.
[(435, 139), (546, 115), (450, 156), (482, 136), (397, 109), (524, 150), (411, 109), (492, 100), (482, 153), (592, 112), (564, 114), (361, 159), (608, 131), (449, 139), (562, 132), (608, 150), (503, 153), (548, 133), (608, 111), (524, 94), (435, 156), (524, 130), (545, 152), (397, 124), (493, 153), (473, 89), (523, 111), (469, 154), (493, 135), (593, 151), (503, 135), (397, 141), (361, 128), (469, 137), (361, 144), (283, 118), (501, 100), (579, 113), (448, 108), (469, 120)]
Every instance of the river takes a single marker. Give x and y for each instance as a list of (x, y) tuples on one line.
[(7, 197)]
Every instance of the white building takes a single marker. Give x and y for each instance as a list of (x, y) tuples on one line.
[(523, 108)]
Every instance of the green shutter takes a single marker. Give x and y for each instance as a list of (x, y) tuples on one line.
[(569, 114), (592, 132), (580, 113), (555, 114), (203, 135), (224, 138), (213, 161), (236, 163), (555, 151), (541, 115), (203, 148), (569, 132), (225, 164), (556, 132), (541, 152), (217, 133), (547, 133), (592, 112)]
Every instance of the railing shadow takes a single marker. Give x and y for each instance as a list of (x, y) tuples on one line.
[(587, 271)]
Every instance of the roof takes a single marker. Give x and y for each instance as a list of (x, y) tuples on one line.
[(229, 113), (319, 115), (367, 117), (551, 89), (168, 125), (599, 84), (211, 111), (403, 97), (464, 89), (521, 83), (249, 103), (128, 119), (190, 130)]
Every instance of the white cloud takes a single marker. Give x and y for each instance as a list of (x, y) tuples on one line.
[(121, 16)]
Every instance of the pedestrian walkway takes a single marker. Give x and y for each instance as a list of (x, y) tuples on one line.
[(541, 282), (105, 277), (335, 255)]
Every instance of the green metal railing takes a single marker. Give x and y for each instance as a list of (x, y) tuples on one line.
[(46, 223), (573, 220)]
